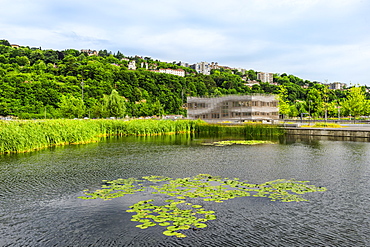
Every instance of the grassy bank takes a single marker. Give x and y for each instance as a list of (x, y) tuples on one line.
[(250, 130), (27, 136)]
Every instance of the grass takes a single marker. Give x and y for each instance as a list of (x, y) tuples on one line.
[(246, 130), (324, 125)]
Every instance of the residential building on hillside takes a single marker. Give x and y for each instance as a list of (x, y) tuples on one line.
[(144, 65), (90, 52), (241, 70), (235, 108), (183, 64), (250, 83), (202, 68), (214, 65), (178, 72), (336, 85), (132, 65), (265, 77)]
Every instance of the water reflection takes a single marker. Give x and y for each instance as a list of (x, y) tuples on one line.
[(39, 205)]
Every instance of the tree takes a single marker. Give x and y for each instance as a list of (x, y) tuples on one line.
[(355, 102), (71, 107), (284, 107), (22, 61), (315, 102), (116, 104), (4, 42)]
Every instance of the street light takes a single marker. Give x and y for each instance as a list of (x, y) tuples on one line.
[(303, 113), (82, 89)]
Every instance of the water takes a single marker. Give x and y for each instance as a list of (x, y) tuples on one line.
[(39, 204)]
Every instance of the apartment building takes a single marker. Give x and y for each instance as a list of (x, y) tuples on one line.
[(132, 65), (202, 68), (265, 77), (178, 72), (336, 85), (234, 108)]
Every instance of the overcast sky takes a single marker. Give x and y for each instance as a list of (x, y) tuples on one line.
[(317, 40)]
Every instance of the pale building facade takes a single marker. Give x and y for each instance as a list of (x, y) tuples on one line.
[(234, 108), (265, 77), (337, 86), (132, 65), (178, 72), (202, 68)]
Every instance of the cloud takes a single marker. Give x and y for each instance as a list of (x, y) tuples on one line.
[(313, 39)]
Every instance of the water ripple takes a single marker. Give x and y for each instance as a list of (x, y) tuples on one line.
[(39, 205)]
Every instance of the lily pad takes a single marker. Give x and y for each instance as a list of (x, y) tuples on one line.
[(178, 214)]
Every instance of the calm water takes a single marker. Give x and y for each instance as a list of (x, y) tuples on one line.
[(39, 204)]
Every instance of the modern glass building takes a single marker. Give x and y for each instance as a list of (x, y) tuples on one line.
[(234, 108)]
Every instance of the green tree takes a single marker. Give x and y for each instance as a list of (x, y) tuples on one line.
[(284, 107), (355, 102), (100, 109), (315, 102), (71, 107), (116, 104), (4, 42)]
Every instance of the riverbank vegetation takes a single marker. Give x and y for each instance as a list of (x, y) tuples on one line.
[(30, 135), (324, 125), (249, 130), (26, 136)]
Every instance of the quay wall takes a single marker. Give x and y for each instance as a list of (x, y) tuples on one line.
[(337, 132)]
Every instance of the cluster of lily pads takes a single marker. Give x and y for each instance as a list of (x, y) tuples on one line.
[(237, 142), (177, 214), (171, 216)]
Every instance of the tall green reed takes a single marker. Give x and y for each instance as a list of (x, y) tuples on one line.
[(28, 135)]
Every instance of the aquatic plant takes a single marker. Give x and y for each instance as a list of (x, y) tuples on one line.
[(237, 142), (178, 214), (29, 135), (250, 130)]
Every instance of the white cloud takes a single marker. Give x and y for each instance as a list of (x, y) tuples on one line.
[(313, 39)]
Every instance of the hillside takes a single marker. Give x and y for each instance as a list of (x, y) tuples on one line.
[(36, 83)]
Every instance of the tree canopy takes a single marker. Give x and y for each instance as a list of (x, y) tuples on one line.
[(36, 83)]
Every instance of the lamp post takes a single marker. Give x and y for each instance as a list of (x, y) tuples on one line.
[(82, 89), (302, 114), (338, 113)]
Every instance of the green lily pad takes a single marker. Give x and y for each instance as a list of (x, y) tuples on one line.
[(178, 214)]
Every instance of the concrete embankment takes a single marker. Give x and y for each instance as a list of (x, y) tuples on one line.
[(350, 131)]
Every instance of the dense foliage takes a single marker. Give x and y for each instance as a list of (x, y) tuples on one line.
[(36, 83)]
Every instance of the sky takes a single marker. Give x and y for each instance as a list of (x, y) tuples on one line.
[(317, 40)]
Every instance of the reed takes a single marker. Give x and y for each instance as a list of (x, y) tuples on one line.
[(246, 130), (29, 135), (26, 136)]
